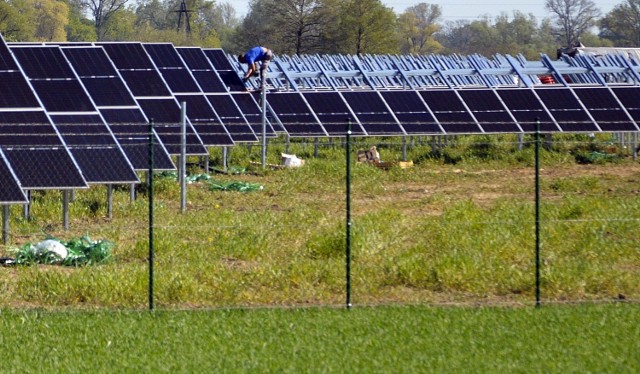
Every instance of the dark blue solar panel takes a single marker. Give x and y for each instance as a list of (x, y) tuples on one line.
[(83, 130), (373, 113), (219, 59), (527, 109), (90, 61), (123, 115), (20, 94), (28, 128), (566, 109), (209, 81), (489, 111), (202, 69), (180, 80), (450, 111), (605, 109), (231, 80), (38, 168), (194, 57), (163, 55), (630, 99), (10, 191), (411, 112), (63, 96), (233, 120), (43, 62), (251, 110), (145, 83), (295, 115), (128, 55), (108, 91), (6, 59), (205, 120), (92, 161), (333, 113), (165, 114)]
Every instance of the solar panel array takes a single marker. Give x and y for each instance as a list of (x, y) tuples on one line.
[(79, 113)]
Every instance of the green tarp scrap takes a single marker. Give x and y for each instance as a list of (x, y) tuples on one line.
[(234, 186), (75, 252)]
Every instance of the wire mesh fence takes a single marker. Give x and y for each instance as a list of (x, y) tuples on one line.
[(457, 227)]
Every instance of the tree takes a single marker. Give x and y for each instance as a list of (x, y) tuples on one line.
[(622, 24), (416, 27), (101, 11), (16, 20), (470, 37), (51, 18), (286, 26), (364, 26), (572, 19)]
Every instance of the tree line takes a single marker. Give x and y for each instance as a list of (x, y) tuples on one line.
[(321, 26)]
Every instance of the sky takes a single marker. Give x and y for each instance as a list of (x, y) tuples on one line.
[(453, 10)]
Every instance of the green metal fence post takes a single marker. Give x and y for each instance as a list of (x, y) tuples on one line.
[(348, 218), (151, 306), (537, 148)]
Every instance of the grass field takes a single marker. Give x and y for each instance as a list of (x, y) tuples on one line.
[(443, 276), (457, 227), (397, 339)]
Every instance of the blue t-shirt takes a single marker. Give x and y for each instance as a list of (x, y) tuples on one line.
[(254, 54)]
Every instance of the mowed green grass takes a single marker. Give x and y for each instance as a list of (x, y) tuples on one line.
[(586, 338)]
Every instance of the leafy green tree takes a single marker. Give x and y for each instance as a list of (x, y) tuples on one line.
[(364, 26), (416, 27), (572, 19), (16, 20), (101, 12), (469, 37), (51, 18), (622, 24), (79, 28), (286, 26)]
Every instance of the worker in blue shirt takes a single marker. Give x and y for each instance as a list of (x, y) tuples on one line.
[(252, 57)]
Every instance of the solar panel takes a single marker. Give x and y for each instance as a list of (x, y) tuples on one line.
[(165, 114), (205, 120), (295, 115), (7, 63), (412, 113), (253, 113), (333, 113), (372, 113), (163, 55), (566, 109), (630, 99), (227, 72), (489, 111), (605, 109), (117, 106), (10, 191), (450, 112), (233, 119), (90, 141), (45, 168), (145, 83), (153, 96), (527, 109), (30, 143), (42, 62), (20, 95), (128, 56), (202, 70)]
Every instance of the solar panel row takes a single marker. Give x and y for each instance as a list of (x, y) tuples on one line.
[(457, 111), (79, 113)]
